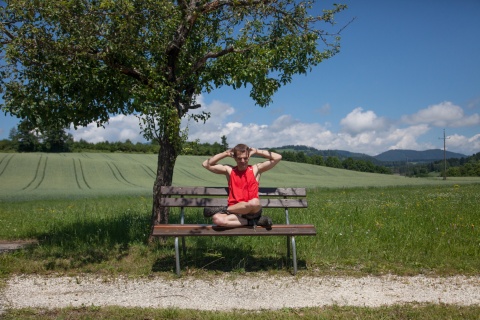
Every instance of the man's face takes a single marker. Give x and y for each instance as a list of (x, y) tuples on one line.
[(242, 160)]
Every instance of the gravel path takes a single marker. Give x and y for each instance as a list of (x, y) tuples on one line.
[(242, 292)]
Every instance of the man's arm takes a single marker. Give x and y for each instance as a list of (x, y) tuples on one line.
[(212, 165), (273, 159)]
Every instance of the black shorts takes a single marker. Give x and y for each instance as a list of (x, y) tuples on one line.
[(250, 216)]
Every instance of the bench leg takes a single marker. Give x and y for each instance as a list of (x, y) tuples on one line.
[(294, 255), (177, 256), (291, 243), (288, 251), (184, 247)]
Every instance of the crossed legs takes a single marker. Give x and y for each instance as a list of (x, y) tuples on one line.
[(235, 216)]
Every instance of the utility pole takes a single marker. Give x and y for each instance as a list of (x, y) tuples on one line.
[(444, 155)]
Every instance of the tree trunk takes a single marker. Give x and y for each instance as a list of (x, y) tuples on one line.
[(167, 155)]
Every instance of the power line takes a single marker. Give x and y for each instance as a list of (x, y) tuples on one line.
[(444, 155)]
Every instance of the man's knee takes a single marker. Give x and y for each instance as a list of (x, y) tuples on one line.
[(254, 205), (218, 219), (222, 219)]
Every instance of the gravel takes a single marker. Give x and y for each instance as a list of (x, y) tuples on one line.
[(240, 292)]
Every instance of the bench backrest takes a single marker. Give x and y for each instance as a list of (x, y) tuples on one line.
[(217, 196)]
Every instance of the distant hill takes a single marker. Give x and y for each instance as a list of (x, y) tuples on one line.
[(417, 156), (309, 151), (388, 156)]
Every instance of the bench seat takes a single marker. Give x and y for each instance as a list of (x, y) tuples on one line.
[(185, 230)]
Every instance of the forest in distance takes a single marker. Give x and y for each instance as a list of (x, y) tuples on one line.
[(402, 162)]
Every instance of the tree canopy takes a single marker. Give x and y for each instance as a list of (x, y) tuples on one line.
[(73, 62)]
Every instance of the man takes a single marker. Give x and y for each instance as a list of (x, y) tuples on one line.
[(244, 206)]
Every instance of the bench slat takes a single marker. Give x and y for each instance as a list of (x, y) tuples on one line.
[(180, 230), (212, 202), (223, 191)]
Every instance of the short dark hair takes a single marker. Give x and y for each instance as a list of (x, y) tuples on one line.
[(240, 148)]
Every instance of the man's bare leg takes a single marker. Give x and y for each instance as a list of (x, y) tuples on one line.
[(234, 217), (251, 206), (229, 220)]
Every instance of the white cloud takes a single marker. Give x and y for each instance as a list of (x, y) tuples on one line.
[(406, 138), (361, 131), (119, 128), (459, 142), (359, 121), (445, 114)]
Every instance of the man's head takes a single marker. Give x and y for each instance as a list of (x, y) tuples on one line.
[(241, 154)]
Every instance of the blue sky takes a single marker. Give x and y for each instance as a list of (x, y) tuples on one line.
[(407, 70)]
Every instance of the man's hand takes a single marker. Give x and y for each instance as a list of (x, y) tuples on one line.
[(251, 151)]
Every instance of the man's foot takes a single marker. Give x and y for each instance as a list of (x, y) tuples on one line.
[(210, 211), (263, 221)]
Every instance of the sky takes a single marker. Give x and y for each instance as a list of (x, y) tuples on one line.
[(408, 72)]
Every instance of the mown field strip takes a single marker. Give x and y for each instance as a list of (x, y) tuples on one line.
[(80, 175), (39, 174), (36, 175), (4, 162)]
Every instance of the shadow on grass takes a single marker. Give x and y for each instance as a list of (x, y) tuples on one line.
[(78, 242), (81, 243), (201, 254)]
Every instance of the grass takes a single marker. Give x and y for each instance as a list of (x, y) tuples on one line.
[(37, 176), (399, 230), (390, 225), (414, 311)]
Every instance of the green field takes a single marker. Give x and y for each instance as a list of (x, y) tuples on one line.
[(90, 213), (95, 206), (29, 176)]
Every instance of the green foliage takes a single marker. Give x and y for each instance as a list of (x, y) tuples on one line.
[(455, 167), (466, 167), (26, 138), (83, 61), (334, 162)]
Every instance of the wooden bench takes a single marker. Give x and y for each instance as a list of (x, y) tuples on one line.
[(183, 197)]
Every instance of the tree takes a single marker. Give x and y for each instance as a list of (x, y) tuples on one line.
[(56, 140), (13, 136), (333, 162), (224, 142), (301, 157), (81, 61), (27, 139)]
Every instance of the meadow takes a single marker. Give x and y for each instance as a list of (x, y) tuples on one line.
[(90, 213), (32, 176)]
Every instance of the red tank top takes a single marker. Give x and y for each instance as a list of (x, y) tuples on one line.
[(242, 186)]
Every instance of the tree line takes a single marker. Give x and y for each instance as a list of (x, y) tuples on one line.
[(464, 167), (25, 139)]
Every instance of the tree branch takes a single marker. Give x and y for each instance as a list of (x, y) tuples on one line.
[(212, 55), (128, 71), (7, 33), (215, 5)]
